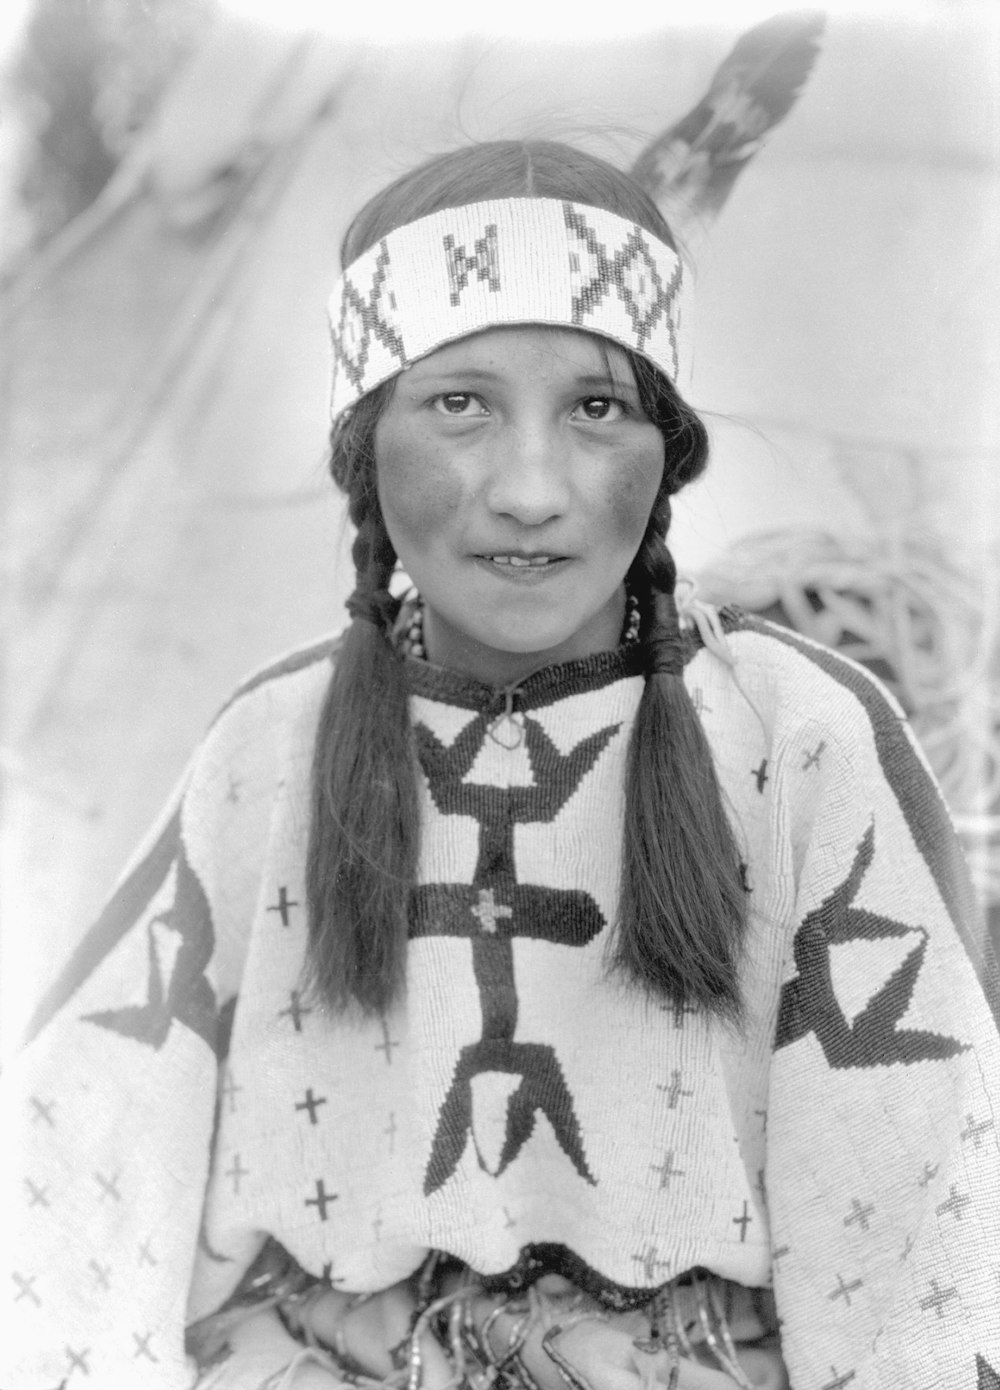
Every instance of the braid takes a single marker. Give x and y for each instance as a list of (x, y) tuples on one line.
[(682, 904), (374, 561), (363, 840), (653, 576)]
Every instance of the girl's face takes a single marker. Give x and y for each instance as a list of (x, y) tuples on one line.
[(516, 474)]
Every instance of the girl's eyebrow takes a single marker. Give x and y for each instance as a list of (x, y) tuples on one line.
[(606, 382), (597, 383), (473, 376)]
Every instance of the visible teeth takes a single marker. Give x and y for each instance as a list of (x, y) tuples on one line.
[(521, 561)]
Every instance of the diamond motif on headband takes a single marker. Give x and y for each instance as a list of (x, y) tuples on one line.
[(631, 270), (364, 317), (485, 261)]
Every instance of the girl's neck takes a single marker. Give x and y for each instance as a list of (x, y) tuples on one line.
[(435, 641)]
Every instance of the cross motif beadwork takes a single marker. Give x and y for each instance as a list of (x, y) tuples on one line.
[(489, 912), (503, 909)]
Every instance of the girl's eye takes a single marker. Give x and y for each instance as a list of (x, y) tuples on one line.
[(601, 408), (459, 403)]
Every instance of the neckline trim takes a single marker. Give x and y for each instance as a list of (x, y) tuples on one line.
[(551, 683), (541, 688)]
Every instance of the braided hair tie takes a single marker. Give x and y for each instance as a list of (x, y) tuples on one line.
[(375, 606), (663, 643)]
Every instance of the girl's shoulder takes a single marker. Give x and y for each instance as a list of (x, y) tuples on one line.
[(817, 716), (293, 677), (277, 701), (262, 734), (793, 680)]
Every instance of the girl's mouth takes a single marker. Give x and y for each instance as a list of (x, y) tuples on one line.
[(522, 568), (522, 561)]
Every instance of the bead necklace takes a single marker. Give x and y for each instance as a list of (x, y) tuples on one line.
[(412, 643)]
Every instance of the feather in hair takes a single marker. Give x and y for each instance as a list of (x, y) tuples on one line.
[(693, 165)]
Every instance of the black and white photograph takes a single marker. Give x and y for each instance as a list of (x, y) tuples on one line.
[(500, 720)]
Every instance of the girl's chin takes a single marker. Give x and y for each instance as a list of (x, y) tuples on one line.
[(504, 647), (524, 641), (500, 658)]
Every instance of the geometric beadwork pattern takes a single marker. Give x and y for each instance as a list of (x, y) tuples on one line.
[(631, 272), (365, 317), (512, 261), (809, 1003), (494, 911)]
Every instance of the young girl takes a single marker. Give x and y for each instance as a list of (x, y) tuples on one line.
[(531, 986)]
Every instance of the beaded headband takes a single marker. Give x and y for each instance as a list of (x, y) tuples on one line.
[(512, 261)]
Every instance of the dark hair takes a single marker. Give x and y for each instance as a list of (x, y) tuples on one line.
[(682, 906)]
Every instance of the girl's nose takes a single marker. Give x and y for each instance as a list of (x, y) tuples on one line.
[(528, 479)]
